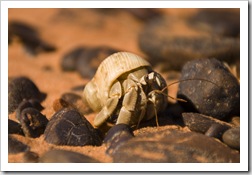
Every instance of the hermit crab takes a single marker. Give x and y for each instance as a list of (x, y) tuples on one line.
[(125, 89)]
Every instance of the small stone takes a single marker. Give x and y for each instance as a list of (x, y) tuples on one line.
[(216, 130), (33, 103), (235, 121), (29, 36), (30, 157), (22, 88), (68, 62), (172, 115), (89, 61), (210, 89), (47, 68), (78, 88), (14, 127), (76, 102), (232, 138), (166, 43), (144, 14), (64, 156), (69, 127), (221, 22), (174, 146), (59, 104), (71, 97), (33, 122), (15, 146), (116, 136), (85, 60), (205, 124)]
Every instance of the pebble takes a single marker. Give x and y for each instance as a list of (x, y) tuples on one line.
[(116, 136), (232, 138), (209, 89), (33, 122), (14, 127), (69, 127), (88, 63), (205, 124), (76, 101), (216, 130), (220, 22), (172, 115), (143, 14), (59, 104), (78, 88), (64, 156), (32, 103), (30, 157), (235, 121), (165, 43), (29, 36), (85, 60), (174, 146), (22, 88), (71, 100), (68, 62), (15, 146)]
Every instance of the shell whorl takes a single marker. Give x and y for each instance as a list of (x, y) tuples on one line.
[(110, 69)]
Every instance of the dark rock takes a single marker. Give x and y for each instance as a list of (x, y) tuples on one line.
[(47, 68), (237, 69), (173, 146), (164, 41), (116, 136), (216, 130), (235, 121), (78, 88), (144, 14), (222, 22), (63, 156), (232, 138), (71, 100), (209, 88), (69, 127), (31, 103), (15, 146), (89, 61), (33, 122), (76, 102), (29, 36), (71, 97), (172, 115), (69, 60), (22, 88), (30, 157), (59, 104), (14, 127), (85, 60), (205, 124)]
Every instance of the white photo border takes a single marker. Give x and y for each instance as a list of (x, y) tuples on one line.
[(242, 166)]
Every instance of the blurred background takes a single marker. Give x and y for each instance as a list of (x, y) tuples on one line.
[(60, 49), (65, 46)]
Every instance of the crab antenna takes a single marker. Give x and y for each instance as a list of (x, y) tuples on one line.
[(175, 82), (178, 99), (155, 110)]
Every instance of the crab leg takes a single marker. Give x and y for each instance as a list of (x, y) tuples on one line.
[(129, 104), (110, 106)]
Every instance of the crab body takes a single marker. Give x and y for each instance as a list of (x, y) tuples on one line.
[(125, 86)]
